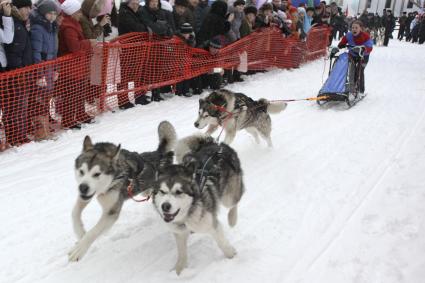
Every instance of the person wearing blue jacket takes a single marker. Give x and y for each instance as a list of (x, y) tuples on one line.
[(44, 47), (305, 18)]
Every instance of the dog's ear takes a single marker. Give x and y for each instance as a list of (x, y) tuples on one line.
[(87, 144), (116, 155)]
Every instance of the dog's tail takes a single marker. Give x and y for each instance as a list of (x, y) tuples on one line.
[(167, 137), (272, 107)]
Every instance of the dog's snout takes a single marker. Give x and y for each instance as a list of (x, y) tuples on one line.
[(83, 189), (166, 206), (196, 124)]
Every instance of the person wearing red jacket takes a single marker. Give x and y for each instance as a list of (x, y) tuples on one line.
[(74, 84), (357, 37), (71, 38)]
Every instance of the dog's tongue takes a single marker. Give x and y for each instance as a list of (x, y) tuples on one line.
[(170, 216)]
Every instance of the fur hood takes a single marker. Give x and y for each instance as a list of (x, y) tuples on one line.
[(15, 13), (92, 8)]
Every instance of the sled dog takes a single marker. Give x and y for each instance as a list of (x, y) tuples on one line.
[(105, 170), (187, 196), (236, 111)]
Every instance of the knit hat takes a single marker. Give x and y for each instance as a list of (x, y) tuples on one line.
[(186, 28), (183, 3), (238, 2), (22, 3), (250, 10), (215, 43), (47, 6), (69, 7)]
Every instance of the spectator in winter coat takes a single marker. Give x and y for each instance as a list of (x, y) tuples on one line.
[(43, 31), (248, 22), (409, 20), (44, 47), (296, 26), (130, 18), (6, 30), (6, 36), (266, 18), (402, 21), (91, 10), (182, 13), (238, 8), (389, 24), (357, 37), (214, 79), (318, 15), (71, 37), (198, 9), (422, 30), (188, 36), (159, 22), (214, 24), (414, 28), (305, 19), (71, 40), (18, 54)]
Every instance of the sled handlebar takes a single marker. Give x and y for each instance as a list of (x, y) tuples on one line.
[(357, 49)]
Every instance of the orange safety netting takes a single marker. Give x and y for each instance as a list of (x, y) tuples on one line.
[(74, 88)]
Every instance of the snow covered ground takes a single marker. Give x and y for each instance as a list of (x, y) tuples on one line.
[(340, 197)]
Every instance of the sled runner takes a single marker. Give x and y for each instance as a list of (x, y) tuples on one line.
[(343, 82)]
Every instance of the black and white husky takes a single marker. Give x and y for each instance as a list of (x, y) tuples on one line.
[(187, 196), (105, 170), (236, 111)]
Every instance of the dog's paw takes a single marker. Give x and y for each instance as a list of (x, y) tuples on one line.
[(229, 252), (78, 251), (179, 267)]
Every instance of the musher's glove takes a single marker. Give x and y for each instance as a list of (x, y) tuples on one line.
[(334, 51)]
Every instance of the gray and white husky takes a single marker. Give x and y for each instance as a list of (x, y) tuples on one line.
[(105, 170), (187, 196), (236, 111)]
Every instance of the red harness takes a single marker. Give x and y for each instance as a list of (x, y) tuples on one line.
[(131, 195)]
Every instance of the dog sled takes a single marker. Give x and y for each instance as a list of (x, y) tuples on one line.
[(343, 82)]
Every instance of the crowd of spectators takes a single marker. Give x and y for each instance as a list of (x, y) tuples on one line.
[(412, 27), (33, 33)]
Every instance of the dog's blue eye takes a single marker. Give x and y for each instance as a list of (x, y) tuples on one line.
[(178, 192), (81, 172), (161, 192), (96, 175)]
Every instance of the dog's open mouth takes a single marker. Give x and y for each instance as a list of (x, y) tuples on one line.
[(84, 197), (168, 217)]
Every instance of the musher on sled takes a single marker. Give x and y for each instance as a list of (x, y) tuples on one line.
[(360, 45), (346, 70)]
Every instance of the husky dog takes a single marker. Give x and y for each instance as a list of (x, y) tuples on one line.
[(187, 196), (236, 111), (106, 170), (378, 34)]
